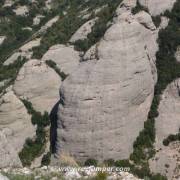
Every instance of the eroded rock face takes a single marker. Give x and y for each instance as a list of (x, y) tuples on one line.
[(8, 156), (106, 101), (167, 161), (39, 84), (15, 122), (156, 7), (168, 122), (66, 58)]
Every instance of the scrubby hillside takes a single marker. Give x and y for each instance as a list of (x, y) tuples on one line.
[(90, 82)]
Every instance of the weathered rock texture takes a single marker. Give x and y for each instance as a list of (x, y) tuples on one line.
[(105, 102), (15, 122), (21, 10), (167, 123), (66, 58), (156, 7), (39, 84), (8, 157)]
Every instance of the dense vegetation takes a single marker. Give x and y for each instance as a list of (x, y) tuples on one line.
[(168, 70), (13, 26), (62, 30), (34, 147)]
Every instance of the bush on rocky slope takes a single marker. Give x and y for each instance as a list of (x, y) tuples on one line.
[(34, 147), (98, 30), (171, 138), (168, 70)]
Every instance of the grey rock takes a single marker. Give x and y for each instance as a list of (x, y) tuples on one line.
[(39, 84), (8, 156), (157, 7), (66, 58), (15, 122), (166, 159), (106, 101)]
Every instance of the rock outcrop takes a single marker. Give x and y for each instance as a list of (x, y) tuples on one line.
[(167, 123), (66, 58), (83, 31), (105, 102), (157, 7), (2, 38), (21, 10), (15, 122), (39, 84), (8, 156)]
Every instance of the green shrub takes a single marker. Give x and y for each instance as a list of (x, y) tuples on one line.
[(158, 177), (101, 176), (46, 159), (156, 20), (123, 163), (109, 162), (53, 65), (34, 147), (91, 162), (171, 138)]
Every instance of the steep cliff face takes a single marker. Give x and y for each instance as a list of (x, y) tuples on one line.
[(106, 101)]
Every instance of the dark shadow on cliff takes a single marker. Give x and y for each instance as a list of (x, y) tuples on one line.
[(53, 129)]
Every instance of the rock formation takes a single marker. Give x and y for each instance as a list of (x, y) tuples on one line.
[(39, 84), (105, 102), (167, 123), (66, 58), (157, 7), (15, 122), (8, 156)]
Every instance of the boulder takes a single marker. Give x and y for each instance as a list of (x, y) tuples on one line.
[(21, 11), (157, 7), (105, 102), (8, 156), (39, 84), (66, 58), (15, 122)]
